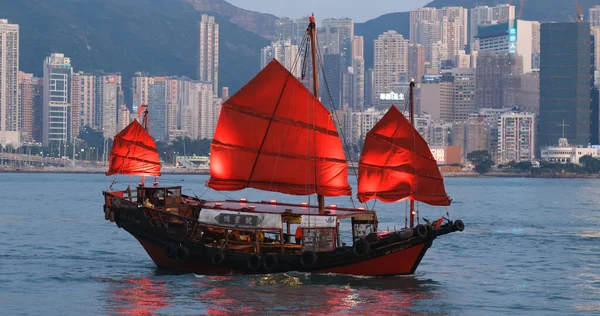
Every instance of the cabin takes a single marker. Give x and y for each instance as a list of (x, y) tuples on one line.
[(272, 227)]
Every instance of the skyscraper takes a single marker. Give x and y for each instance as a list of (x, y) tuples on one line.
[(391, 62), (139, 90), (336, 36), (485, 15), (498, 79), (58, 75), (285, 52), (208, 70), (27, 87), (416, 62), (157, 109), (516, 137), (87, 98), (565, 83), (108, 88), (9, 87), (594, 16)]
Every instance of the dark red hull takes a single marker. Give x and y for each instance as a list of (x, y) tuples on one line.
[(170, 247), (400, 262)]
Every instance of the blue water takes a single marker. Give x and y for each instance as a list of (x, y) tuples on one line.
[(531, 247)]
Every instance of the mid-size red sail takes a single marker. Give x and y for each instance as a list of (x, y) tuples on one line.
[(396, 163), (275, 135), (134, 152)]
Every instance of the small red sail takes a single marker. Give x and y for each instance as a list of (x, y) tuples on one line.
[(396, 163), (274, 135), (134, 152)]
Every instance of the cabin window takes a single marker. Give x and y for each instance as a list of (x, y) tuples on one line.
[(318, 239), (362, 227)]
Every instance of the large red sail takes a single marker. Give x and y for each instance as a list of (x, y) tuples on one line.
[(134, 152), (274, 135), (396, 163)]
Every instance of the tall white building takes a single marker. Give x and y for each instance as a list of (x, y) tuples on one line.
[(124, 118), (208, 70), (335, 36), (516, 137), (448, 25), (108, 87), (484, 15), (286, 53), (58, 75), (594, 16), (201, 113), (9, 86), (390, 62), (139, 90), (87, 99)]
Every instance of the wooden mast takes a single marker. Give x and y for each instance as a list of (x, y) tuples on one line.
[(411, 111), (312, 33), (145, 126)]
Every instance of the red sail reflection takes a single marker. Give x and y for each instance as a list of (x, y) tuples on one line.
[(140, 297)]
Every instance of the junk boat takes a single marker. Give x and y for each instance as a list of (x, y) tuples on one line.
[(275, 135)]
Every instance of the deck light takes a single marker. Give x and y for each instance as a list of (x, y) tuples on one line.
[(304, 203), (252, 207), (243, 200), (332, 205), (273, 201), (361, 208)]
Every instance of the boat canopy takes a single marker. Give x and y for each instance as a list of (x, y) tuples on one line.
[(274, 135), (134, 152), (285, 209), (397, 164)]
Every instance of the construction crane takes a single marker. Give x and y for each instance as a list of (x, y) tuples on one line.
[(579, 8), (520, 8)]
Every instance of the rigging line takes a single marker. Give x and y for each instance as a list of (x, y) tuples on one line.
[(297, 59), (335, 117), (267, 131), (406, 214)]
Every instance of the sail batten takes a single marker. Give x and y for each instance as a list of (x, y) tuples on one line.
[(134, 152), (275, 135), (396, 163)]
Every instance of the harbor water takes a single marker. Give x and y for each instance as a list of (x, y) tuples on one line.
[(530, 247)]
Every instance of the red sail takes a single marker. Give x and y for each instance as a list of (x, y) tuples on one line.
[(134, 152), (396, 163), (274, 135)]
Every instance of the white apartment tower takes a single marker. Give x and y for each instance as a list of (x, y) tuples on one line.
[(516, 137), (56, 115), (594, 16), (285, 52), (9, 86), (390, 62), (139, 89), (208, 70), (107, 89)]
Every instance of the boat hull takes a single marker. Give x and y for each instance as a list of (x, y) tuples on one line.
[(396, 253)]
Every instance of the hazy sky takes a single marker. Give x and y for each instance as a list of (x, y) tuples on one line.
[(358, 10)]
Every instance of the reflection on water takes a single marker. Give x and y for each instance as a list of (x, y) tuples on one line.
[(286, 293), (138, 297)]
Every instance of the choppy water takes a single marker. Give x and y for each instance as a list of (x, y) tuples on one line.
[(531, 247)]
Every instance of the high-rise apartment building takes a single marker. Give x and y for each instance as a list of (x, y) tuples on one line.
[(286, 53), (565, 82), (484, 15), (442, 32), (139, 90), (514, 37), (290, 29), (108, 90), (516, 137), (58, 75), (27, 88), (594, 16), (416, 62), (208, 70), (390, 62), (75, 105), (498, 79), (124, 118), (471, 136), (335, 37), (87, 98), (198, 117), (157, 109), (9, 87)]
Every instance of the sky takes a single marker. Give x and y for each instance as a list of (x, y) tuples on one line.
[(358, 10)]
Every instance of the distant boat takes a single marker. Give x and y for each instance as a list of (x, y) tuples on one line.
[(275, 135)]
